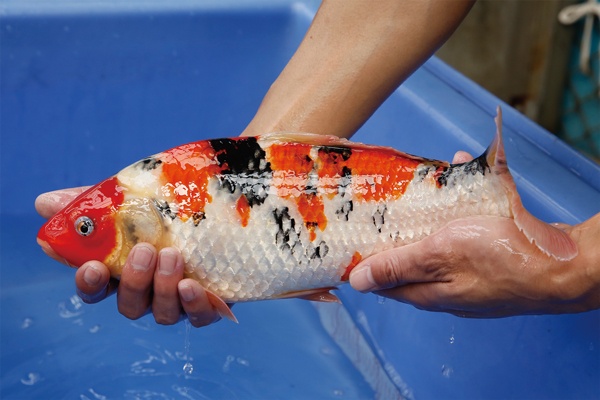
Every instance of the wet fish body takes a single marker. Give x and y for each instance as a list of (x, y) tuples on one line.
[(279, 215)]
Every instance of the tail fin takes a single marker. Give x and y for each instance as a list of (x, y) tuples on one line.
[(548, 239)]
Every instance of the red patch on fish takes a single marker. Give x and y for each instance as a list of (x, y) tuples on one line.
[(356, 258), (374, 175), (292, 166), (380, 174), (243, 209), (312, 210), (187, 170)]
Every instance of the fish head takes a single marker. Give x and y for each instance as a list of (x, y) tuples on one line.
[(102, 224)]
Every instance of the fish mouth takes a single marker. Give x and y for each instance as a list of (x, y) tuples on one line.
[(51, 253)]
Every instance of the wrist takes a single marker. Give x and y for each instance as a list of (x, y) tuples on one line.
[(576, 283)]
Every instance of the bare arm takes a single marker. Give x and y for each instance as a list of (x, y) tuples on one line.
[(354, 55)]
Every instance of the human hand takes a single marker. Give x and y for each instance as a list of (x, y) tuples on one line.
[(151, 281), (484, 267)]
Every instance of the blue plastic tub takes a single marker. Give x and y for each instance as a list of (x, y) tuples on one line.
[(89, 87)]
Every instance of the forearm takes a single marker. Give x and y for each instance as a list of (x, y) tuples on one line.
[(352, 58)]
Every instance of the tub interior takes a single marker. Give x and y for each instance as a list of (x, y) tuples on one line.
[(90, 87)]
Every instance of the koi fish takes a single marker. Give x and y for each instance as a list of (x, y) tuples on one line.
[(284, 215)]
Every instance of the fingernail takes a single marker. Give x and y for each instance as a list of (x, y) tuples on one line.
[(186, 292), (91, 276), (167, 262), (142, 256), (361, 279)]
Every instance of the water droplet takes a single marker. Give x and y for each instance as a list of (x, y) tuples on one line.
[(228, 360), (73, 310), (96, 395), (452, 339), (243, 362), (381, 299), (143, 324), (188, 368), (26, 323), (446, 371), (338, 393), (186, 339), (95, 329), (32, 379)]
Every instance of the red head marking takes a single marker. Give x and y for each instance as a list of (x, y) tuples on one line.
[(85, 229)]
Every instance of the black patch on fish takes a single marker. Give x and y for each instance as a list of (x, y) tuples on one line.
[(130, 231), (241, 156), (448, 176), (164, 209), (333, 152), (446, 173), (478, 165), (312, 183), (247, 169), (287, 237), (318, 251), (422, 172), (345, 209), (311, 224), (379, 217), (197, 217), (345, 181), (148, 164)]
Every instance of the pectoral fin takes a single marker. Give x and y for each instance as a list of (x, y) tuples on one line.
[(222, 308), (319, 294)]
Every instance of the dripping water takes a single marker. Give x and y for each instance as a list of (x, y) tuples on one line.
[(188, 368)]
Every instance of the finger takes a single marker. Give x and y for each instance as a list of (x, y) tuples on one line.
[(196, 303), (93, 282), (48, 204), (430, 296), (461, 157), (165, 303), (135, 289), (416, 262)]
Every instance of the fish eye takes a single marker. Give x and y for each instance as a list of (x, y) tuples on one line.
[(84, 226)]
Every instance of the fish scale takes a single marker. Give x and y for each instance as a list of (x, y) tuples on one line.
[(232, 261)]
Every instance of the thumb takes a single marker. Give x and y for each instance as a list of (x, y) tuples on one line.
[(49, 203), (395, 267)]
